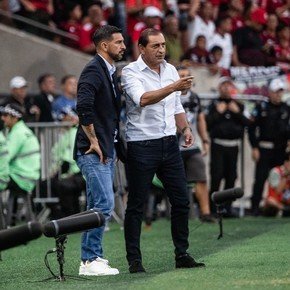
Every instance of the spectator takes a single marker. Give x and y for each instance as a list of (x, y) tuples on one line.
[(187, 11), (280, 8), (152, 19), (214, 59), (223, 39), (23, 153), (278, 196), (135, 8), (47, 86), (248, 45), (268, 136), (95, 21), (236, 12), (72, 24), (202, 24), (66, 101), (174, 49), (282, 49), (226, 123), (40, 11), (18, 87), (269, 35), (193, 157), (198, 54)]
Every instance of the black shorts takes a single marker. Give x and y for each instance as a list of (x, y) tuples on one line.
[(194, 165)]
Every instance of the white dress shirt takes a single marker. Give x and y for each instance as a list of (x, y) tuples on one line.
[(152, 121)]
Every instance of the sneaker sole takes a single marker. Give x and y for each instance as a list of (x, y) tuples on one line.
[(99, 274)]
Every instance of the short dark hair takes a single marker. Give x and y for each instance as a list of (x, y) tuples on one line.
[(215, 49), (43, 77), (144, 36), (105, 33), (65, 78), (221, 20)]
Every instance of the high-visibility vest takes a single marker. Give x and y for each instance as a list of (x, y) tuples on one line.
[(24, 156), (62, 151)]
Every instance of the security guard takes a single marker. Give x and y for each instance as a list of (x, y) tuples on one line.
[(23, 153), (268, 136), (226, 122)]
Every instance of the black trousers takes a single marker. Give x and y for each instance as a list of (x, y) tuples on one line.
[(145, 158), (223, 165), (269, 158)]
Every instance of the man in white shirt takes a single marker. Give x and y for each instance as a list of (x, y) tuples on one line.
[(223, 38), (201, 24), (152, 88)]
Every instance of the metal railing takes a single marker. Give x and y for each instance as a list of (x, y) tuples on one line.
[(48, 135), (38, 25)]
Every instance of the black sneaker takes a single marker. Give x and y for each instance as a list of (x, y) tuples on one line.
[(186, 261), (136, 267), (207, 218)]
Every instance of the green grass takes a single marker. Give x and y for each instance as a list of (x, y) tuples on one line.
[(253, 254)]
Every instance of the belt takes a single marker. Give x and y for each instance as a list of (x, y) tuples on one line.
[(227, 142), (171, 137), (266, 145)]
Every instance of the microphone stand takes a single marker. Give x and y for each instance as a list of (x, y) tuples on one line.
[(60, 247), (220, 210), (60, 242)]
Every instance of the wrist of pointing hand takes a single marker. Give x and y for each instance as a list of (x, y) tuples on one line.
[(185, 128)]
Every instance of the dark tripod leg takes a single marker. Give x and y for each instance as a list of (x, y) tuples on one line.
[(220, 212), (59, 242)]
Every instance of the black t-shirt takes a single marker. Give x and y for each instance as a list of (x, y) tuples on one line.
[(249, 46)]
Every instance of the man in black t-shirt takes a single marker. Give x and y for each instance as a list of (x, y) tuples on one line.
[(247, 41)]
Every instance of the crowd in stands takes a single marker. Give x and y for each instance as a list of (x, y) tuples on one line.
[(215, 34), (212, 33)]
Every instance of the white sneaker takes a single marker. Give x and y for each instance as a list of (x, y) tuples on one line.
[(99, 267), (82, 268)]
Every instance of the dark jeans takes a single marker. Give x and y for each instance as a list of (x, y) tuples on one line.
[(223, 165), (160, 156), (269, 158)]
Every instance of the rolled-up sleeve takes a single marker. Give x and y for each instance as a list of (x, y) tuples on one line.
[(85, 103), (132, 85)]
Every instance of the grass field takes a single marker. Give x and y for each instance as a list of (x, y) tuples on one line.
[(253, 254)]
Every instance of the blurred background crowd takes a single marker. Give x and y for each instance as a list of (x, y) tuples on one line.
[(215, 33), (218, 36)]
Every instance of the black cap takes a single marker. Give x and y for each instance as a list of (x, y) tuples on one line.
[(13, 109)]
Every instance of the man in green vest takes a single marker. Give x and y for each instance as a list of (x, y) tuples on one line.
[(71, 182), (23, 152)]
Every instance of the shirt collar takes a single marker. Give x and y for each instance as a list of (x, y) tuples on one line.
[(111, 68), (142, 65)]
